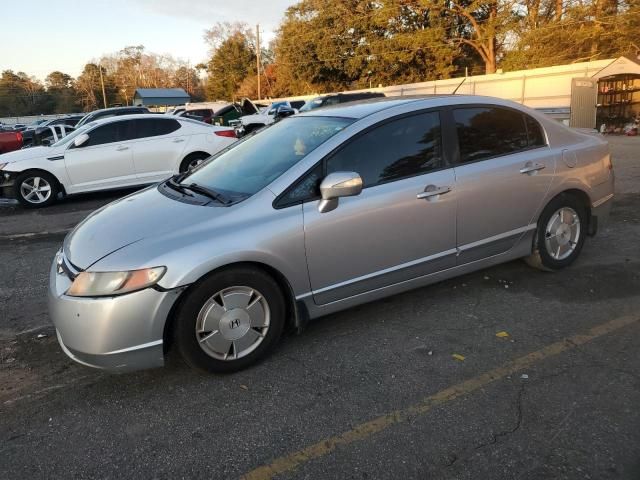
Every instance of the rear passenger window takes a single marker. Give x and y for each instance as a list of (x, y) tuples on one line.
[(485, 132), (151, 127), (397, 149), (534, 132)]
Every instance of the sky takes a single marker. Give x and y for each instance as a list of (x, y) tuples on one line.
[(66, 34)]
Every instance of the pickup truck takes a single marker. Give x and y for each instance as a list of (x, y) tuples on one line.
[(10, 141)]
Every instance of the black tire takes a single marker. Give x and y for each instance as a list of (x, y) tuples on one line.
[(541, 257), (28, 178), (189, 159), (197, 298)]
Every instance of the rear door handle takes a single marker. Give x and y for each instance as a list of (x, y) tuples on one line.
[(121, 148), (178, 140), (432, 193), (532, 167)]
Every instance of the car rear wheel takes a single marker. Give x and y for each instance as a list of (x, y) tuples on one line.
[(36, 189), (560, 234), (192, 161), (230, 320)]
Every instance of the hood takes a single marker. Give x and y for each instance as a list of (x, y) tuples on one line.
[(143, 214), (248, 107), (26, 154)]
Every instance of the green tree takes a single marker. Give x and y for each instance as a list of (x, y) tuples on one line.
[(21, 94), (327, 45), (61, 92), (588, 30), (233, 59)]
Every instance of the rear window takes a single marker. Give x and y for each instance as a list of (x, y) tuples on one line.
[(486, 132)]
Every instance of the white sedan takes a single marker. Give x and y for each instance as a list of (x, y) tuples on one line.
[(110, 153)]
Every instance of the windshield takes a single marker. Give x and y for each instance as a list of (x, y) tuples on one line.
[(83, 120), (258, 160), (74, 134)]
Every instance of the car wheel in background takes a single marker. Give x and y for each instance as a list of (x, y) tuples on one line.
[(560, 235), (230, 320), (36, 189), (192, 161)]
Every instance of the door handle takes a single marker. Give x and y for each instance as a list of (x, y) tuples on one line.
[(432, 193), (178, 140), (121, 148), (532, 167)]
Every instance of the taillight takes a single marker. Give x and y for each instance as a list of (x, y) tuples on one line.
[(226, 133), (19, 137)]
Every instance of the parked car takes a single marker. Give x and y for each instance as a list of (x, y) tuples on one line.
[(227, 115), (10, 141), (19, 127), (335, 99), (110, 112), (113, 152), (323, 211), (202, 111), (34, 134), (264, 116)]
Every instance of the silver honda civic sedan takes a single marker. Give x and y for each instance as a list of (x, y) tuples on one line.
[(318, 213)]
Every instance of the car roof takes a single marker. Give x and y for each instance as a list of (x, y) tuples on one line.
[(117, 118), (111, 109), (363, 108)]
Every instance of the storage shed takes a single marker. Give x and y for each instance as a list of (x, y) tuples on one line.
[(160, 96)]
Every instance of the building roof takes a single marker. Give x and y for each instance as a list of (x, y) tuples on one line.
[(160, 96)]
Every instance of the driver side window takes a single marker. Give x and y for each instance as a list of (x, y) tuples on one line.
[(103, 134), (397, 149)]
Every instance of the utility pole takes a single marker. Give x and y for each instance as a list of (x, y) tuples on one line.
[(104, 95), (258, 56)]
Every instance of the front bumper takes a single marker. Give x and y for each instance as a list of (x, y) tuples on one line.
[(7, 183), (121, 333)]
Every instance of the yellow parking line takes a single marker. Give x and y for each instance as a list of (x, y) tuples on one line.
[(292, 461)]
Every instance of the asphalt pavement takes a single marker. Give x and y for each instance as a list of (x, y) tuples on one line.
[(506, 373)]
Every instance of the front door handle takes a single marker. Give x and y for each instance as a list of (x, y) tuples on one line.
[(433, 191), (178, 140), (532, 167), (121, 148)]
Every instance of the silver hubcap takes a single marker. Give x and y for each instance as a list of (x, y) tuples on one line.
[(562, 233), (232, 323), (35, 190)]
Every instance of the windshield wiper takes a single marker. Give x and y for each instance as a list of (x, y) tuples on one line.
[(173, 183), (208, 192)]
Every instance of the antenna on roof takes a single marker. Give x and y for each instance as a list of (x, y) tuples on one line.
[(459, 85)]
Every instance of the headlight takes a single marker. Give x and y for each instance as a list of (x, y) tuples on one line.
[(100, 284)]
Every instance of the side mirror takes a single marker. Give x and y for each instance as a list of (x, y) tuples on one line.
[(81, 140), (46, 142), (283, 111), (336, 185)]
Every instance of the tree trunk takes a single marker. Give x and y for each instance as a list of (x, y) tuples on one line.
[(559, 9)]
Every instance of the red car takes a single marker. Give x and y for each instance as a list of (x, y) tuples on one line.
[(10, 141)]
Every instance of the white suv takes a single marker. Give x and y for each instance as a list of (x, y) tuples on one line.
[(114, 152)]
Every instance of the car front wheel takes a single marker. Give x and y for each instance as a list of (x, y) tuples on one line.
[(230, 320), (560, 234), (36, 189)]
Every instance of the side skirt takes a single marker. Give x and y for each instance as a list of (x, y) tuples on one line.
[(521, 249)]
